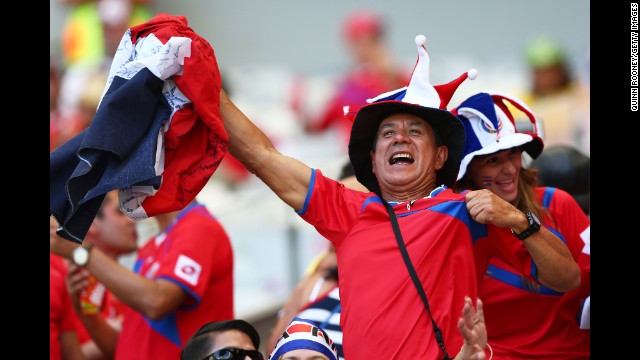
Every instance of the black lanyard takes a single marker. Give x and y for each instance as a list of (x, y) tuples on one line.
[(414, 276)]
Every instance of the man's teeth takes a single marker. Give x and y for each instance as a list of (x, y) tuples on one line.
[(396, 157)]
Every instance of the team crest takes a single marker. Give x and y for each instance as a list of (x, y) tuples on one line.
[(488, 127)]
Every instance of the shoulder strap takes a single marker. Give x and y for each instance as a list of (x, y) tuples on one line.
[(414, 276)]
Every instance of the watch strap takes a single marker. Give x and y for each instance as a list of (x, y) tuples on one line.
[(534, 226)]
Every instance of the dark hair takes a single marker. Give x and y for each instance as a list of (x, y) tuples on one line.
[(346, 171), (198, 345)]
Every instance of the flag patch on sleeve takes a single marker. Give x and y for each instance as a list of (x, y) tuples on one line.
[(188, 270)]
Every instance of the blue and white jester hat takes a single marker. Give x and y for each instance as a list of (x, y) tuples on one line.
[(419, 98), (304, 334), (490, 127)]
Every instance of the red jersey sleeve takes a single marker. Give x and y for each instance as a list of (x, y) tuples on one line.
[(570, 221), (200, 251), (331, 207)]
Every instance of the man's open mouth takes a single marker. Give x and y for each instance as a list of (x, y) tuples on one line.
[(401, 158)]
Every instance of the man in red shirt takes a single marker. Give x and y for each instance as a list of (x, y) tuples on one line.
[(182, 278), (406, 148), (114, 234)]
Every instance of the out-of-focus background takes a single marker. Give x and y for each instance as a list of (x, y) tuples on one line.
[(281, 61)]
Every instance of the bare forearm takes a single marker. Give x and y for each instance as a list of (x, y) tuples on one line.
[(149, 297), (556, 267), (104, 336), (70, 347), (246, 141), (287, 177), (153, 298)]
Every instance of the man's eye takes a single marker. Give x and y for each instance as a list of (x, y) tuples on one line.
[(225, 354)]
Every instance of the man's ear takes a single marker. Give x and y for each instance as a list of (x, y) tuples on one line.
[(441, 156), (373, 163)]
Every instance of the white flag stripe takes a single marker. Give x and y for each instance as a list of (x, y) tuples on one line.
[(314, 314), (586, 237)]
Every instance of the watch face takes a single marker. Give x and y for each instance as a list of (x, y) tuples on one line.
[(80, 256), (535, 218)]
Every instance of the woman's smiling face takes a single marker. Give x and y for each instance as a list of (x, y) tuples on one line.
[(497, 172)]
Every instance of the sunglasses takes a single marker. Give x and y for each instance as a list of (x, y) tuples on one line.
[(234, 354)]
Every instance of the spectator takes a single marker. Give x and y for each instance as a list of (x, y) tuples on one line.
[(115, 235), (303, 340), (90, 37), (406, 149), (223, 340), (556, 98), (182, 277), (373, 71), (93, 28), (524, 320)]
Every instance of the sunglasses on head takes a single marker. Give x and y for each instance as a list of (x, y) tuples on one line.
[(234, 354)]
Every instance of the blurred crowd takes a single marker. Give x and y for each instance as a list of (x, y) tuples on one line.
[(91, 34)]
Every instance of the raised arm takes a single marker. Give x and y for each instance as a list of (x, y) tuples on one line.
[(152, 298), (286, 176), (556, 267)]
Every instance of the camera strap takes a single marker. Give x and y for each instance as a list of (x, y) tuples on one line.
[(414, 276)]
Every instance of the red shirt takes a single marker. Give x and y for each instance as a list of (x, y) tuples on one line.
[(530, 321), (194, 253), (382, 314), (61, 315)]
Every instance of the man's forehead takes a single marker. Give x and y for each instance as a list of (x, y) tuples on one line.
[(395, 119)]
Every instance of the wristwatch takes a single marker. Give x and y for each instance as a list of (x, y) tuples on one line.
[(80, 255), (534, 225)]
